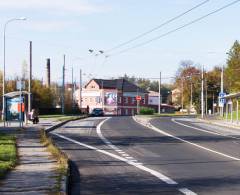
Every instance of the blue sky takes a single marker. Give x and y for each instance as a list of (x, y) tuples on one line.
[(72, 27)]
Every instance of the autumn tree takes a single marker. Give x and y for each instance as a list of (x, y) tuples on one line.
[(232, 71), (188, 74)]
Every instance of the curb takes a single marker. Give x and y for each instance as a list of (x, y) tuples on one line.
[(219, 124), (65, 180)]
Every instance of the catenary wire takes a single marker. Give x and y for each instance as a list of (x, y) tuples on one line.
[(176, 29), (158, 27)]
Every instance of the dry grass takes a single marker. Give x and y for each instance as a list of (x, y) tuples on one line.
[(58, 155)]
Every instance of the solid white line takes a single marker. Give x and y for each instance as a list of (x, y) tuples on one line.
[(187, 191), (203, 130), (139, 166), (185, 141)]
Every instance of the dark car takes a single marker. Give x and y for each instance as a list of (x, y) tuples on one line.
[(97, 112)]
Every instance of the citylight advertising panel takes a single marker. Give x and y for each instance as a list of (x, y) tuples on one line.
[(110, 102), (13, 108)]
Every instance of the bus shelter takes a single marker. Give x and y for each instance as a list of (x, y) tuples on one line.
[(232, 107), (16, 107)]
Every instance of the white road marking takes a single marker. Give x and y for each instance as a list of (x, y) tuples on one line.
[(185, 141), (203, 130), (139, 166), (187, 191)]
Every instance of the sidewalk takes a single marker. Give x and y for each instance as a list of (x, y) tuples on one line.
[(221, 122), (36, 172)]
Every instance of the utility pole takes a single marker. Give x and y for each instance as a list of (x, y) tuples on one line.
[(206, 101), (202, 95), (182, 94), (213, 105), (80, 90), (191, 96), (72, 91), (63, 85), (30, 78), (222, 108), (159, 99)]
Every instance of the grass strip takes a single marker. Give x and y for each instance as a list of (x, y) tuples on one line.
[(8, 153), (61, 158)]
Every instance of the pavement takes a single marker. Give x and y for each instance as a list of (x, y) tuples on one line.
[(169, 156), (36, 171)]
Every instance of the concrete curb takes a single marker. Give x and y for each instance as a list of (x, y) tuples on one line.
[(65, 179), (219, 124)]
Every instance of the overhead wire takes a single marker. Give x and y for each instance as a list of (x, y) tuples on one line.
[(176, 29), (157, 27)]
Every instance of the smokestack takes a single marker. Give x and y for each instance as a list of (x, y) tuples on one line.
[(48, 73)]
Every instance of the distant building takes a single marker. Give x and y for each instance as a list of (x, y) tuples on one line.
[(153, 102), (116, 97), (176, 95)]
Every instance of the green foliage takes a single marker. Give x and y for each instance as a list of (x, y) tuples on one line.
[(8, 153), (152, 85), (146, 111), (233, 68)]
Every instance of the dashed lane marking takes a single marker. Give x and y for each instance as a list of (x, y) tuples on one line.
[(130, 162), (187, 191)]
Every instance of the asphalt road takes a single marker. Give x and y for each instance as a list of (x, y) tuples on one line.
[(119, 156)]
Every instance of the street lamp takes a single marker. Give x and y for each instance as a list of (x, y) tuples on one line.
[(4, 61)]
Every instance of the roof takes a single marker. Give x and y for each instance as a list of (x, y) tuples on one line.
[(232, 95), (15, 93), (153, 93), (119, 84)]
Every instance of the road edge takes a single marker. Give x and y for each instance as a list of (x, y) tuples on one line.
[(64, 189)]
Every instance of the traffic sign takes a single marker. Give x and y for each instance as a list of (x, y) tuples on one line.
[(138, 98), (222, 99)]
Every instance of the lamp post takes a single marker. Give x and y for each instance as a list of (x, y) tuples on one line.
[(4, 62)]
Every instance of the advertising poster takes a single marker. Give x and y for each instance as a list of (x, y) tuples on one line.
[(14, 108), (110, 98)]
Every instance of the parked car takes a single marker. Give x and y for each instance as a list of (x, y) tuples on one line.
[(97, 112)]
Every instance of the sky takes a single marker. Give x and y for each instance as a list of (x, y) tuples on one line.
[(72, 27)]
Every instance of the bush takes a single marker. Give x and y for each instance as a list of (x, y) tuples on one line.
[(146, 111)]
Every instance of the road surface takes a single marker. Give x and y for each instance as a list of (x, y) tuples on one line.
[(179, 156)]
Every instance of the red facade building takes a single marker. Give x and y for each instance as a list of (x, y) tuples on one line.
[(116, 97)]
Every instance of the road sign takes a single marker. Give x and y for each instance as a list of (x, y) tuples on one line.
[(138, 98), (222, 99)]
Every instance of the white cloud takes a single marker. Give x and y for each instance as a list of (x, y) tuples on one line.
[(75, 6)]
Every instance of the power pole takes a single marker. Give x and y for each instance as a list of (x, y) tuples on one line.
[(221, 108), (80, 90), (202, 94), (30, 78), (63, 85), (159, 99), (191, 100), (206, 101), (182, 94), (72, 91)]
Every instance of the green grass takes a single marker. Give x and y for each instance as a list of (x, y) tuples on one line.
[(234, 115), (8, 153)]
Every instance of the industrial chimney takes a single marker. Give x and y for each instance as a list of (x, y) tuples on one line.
[(48, 73)]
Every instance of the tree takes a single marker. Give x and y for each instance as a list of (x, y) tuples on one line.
[(233, 68), (188, 75)]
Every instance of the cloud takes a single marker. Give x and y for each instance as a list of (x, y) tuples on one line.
[(73, 6)]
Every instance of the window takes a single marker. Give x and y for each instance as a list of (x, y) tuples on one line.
[(120, 100), (126, 100), (133, 100)]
